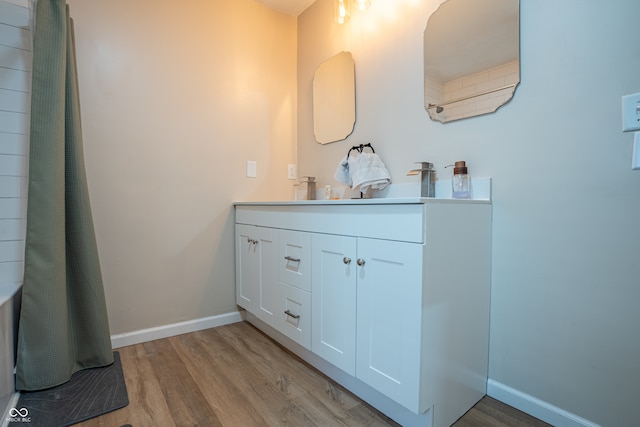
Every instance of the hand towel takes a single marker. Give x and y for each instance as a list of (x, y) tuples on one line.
[(367, 171), (342, 173)]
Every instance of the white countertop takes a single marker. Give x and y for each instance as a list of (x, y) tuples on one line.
[(372, 201)]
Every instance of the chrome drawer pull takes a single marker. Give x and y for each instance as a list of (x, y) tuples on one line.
[(360, 262), (346, 260), (290, 314), (288, 258)]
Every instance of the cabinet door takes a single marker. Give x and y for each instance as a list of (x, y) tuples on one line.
[(247, 268), (389, 318), (271, 294), (256, 263), (333, 299)]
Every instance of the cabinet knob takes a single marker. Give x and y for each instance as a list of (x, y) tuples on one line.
[(346, 260), (360, 262)]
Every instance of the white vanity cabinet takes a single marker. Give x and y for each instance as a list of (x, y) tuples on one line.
[(388, 326), (366, 305), (247, 267), (256, 271), (294, 272), (389, 298), (333, 300), (272, 278)]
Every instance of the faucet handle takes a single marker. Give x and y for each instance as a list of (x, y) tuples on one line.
[(425, 165)]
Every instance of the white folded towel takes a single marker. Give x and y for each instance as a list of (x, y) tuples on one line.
[(367, 171), (342, 173)]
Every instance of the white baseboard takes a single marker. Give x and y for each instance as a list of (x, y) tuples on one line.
[(535, 407), (165, 331)]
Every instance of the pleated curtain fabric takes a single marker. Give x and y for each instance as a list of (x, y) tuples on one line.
[(63, 321)]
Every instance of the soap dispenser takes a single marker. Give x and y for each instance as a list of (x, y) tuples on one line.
[(460, 182)]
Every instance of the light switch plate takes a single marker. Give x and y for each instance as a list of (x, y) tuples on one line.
[(252, 168), (631, 112), (292, 172), (635, 162)]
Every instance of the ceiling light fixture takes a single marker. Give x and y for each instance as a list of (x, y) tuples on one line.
[(363, 4), (342, 9)]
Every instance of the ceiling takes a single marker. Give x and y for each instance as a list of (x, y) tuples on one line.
[(290, 7)]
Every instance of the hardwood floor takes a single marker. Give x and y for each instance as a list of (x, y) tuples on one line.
[(490, 412), (234, 375)]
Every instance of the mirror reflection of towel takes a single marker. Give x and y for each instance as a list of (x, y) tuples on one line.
[(365, 170)]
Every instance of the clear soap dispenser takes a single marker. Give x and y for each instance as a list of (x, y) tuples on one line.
[(461, 182)]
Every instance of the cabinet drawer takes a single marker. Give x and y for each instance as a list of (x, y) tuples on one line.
[(401, 222), (295, 320), (294, 257)]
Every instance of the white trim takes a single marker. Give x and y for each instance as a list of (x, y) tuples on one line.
[(535, 407), (165, 331)]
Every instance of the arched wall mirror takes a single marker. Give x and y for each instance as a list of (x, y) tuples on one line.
[(334, 99), (471, 58)]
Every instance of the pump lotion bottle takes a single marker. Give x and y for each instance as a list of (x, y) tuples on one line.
[(460, 182)]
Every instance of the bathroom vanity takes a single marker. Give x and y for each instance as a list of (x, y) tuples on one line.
[(389, 297)]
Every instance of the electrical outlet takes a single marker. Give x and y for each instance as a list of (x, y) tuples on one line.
[(252, 169), (631, 112), (292, 173)]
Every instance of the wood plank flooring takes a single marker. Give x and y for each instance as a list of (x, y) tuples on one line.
[(234, 375)]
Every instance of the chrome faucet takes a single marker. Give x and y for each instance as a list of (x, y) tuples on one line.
[(311, 186), (427, 179)]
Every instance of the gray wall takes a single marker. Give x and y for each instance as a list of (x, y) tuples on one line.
[(566, 241)]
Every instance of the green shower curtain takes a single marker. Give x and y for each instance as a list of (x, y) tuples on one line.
[(63, 320)]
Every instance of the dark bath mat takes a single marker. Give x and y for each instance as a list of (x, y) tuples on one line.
[(88, 394)]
